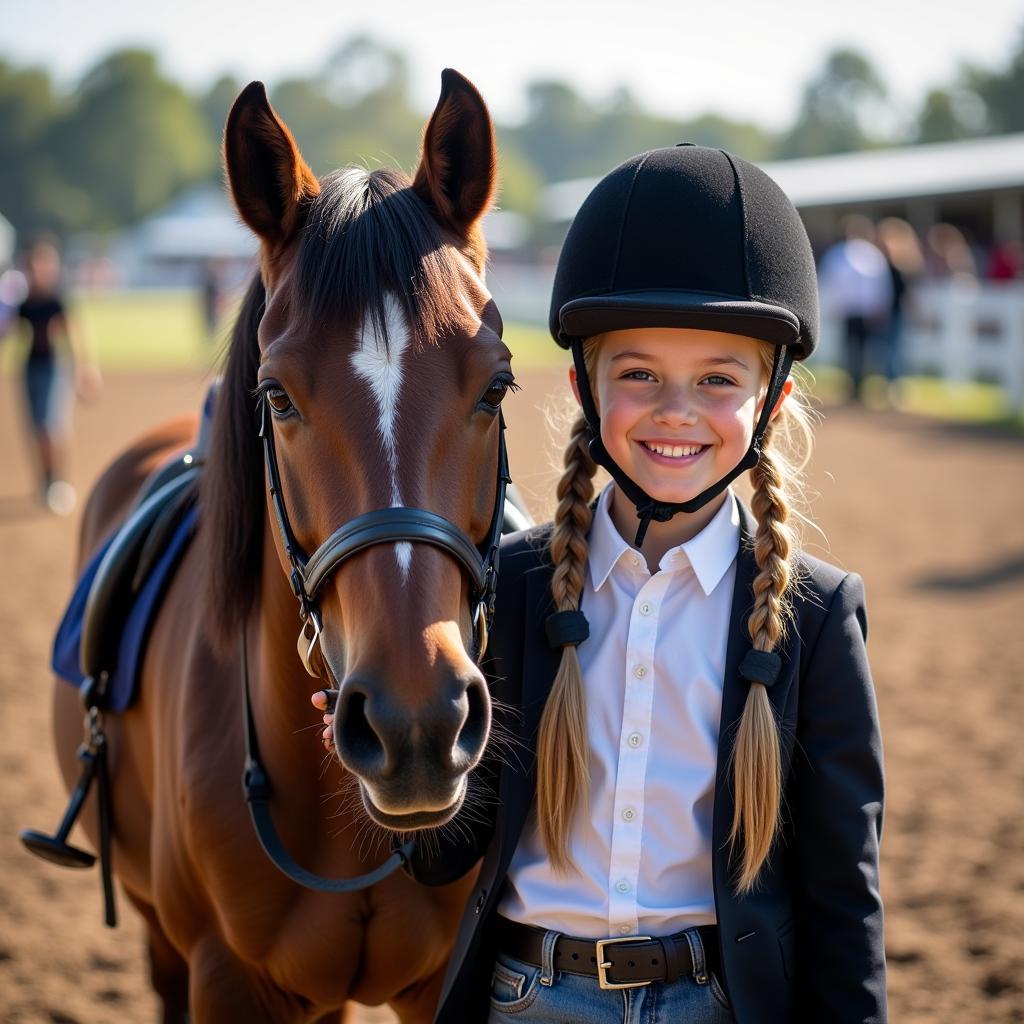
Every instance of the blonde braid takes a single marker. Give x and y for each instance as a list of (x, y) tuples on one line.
[(757, 755), (562, 750)]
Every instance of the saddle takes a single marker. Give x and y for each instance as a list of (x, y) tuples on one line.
[(101, 639)]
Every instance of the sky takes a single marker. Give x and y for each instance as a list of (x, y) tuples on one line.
[(746, 59)]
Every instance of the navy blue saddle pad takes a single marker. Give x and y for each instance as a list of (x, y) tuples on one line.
[(122, 685)]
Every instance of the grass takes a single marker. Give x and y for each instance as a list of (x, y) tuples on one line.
[(163, 330), (970, 402)]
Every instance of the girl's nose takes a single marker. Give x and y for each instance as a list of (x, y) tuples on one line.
[(676, 408)]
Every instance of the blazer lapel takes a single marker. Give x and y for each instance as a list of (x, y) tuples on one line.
[(540, 665)]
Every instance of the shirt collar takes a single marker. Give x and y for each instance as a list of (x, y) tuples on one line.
[(710, 553)]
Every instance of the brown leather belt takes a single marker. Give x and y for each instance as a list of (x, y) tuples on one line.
[(624, 962)]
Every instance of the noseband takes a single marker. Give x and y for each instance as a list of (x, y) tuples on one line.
[(307, 577)]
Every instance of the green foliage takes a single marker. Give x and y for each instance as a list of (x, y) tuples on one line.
[(566, 136), (27, 108), (127, 138), (1002, 92), (942, 118), (131, 141), (835, 110)]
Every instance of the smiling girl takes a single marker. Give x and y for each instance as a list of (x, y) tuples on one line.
[(682, 823)]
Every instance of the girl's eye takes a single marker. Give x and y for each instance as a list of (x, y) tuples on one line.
[(717, 379), (499, 388), (638, 375)]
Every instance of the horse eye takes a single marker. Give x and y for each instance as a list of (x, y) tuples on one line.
[(279, 401), (499, 388)]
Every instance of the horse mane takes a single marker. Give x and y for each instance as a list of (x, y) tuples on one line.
[(367, 236)]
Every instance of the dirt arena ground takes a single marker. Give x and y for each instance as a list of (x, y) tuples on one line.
[(929, 514)]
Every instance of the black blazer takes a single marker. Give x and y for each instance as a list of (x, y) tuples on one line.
[(808, 944)]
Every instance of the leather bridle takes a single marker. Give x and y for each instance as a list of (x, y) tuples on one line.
[(307, 577), (387, 526)]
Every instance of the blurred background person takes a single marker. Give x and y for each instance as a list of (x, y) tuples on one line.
[(57, 364), (899, 244), (1006, 261), (948, 254), (212, 294), (856, 286)]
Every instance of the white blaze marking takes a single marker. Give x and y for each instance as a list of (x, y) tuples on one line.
[(381, 368)]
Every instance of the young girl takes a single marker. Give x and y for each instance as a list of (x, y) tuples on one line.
[(682, 823)]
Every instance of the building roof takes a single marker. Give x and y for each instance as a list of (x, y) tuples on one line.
[(198, 224), (933, 169)]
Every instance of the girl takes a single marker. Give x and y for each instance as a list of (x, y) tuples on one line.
[(685, 822)]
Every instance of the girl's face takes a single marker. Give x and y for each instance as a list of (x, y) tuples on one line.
[(678, 405)]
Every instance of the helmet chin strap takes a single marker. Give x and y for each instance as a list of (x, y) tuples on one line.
[(648, 508)]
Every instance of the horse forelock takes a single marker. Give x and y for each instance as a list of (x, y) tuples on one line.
[(371, 240)]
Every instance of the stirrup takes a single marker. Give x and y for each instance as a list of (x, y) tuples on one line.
[(55, 848)]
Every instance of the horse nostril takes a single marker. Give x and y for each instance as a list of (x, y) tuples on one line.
[(473, 734), (357, 741)]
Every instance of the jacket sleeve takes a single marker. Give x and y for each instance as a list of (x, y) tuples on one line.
[(839, 791)]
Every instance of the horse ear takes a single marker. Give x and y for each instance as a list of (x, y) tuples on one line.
[(457, 176), (270, 182)]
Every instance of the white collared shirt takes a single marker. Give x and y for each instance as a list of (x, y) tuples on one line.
[(653, 670)]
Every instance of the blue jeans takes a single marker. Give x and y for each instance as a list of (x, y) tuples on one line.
[(518, 995)]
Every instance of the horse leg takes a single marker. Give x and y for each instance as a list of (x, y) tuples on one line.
[(222, 990), (417, 1003), (168, 971)]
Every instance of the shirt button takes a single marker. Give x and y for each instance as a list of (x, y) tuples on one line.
[(628, 814), (636, 561), (645, 608), (639, 671), (635, 739), (624, 929), (622, 886)]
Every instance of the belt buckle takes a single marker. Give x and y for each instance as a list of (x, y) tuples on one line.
[(603, 965)]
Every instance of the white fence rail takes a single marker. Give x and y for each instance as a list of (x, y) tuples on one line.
[(960, 330)]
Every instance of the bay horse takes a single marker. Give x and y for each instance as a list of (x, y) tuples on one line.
[(371, 348)]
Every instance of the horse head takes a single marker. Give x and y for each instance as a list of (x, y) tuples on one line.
[(373, 350)]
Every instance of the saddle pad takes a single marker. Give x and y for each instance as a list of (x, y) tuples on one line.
[(123, 683)]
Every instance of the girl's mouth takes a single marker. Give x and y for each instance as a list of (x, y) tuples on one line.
[(673, 455)]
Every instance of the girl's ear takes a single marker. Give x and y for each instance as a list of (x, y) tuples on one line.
[(575, 385), (270, 183), (783, 395), (457, 174)]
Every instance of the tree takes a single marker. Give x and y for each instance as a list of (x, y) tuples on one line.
[(1002, 92), (216, 102), (131, 141), (837, 108), (27, 107), (943, 117)]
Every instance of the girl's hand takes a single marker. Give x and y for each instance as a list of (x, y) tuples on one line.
[(320, 701)]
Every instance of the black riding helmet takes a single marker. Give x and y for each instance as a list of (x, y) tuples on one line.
[(686, 237)]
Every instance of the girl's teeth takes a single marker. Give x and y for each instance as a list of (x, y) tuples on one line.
[(674, 451)]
